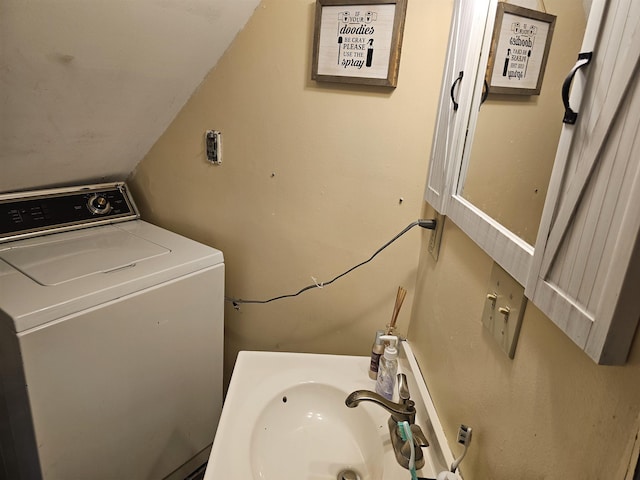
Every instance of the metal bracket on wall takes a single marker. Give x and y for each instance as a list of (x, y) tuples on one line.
[(503, 309)]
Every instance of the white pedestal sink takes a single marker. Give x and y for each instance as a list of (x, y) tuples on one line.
[(320, 437), (284, 418)]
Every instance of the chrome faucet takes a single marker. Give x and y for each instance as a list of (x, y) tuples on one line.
[(400, 412), (404, 411)]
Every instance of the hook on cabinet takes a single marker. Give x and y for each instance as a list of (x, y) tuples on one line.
[(453, 88), (571, 116), (485, 92)]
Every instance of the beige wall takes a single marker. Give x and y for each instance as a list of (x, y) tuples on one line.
[(310, 185), (311, 181)]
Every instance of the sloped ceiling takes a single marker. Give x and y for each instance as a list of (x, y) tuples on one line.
[(87, 86)]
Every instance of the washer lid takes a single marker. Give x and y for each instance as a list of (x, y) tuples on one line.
[(45, 279), (56, 259)]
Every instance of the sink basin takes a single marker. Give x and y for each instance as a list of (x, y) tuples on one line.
[(285, 418), (307, 428)]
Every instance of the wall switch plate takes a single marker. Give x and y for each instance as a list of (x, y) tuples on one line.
[(213, 143), (503, 309), (436, 237)]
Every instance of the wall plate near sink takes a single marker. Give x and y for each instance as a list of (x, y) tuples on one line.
[(285, 417)]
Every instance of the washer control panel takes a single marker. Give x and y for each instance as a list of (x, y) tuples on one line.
[(28, 214)]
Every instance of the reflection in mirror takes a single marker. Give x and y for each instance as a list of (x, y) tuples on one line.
[(514, 142)]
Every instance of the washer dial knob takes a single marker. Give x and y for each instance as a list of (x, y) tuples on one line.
[(99, 204)]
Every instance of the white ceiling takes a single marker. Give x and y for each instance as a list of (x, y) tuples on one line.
[(87, 86)]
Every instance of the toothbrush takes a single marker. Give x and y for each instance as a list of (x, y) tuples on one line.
[(407, 436), (464, 438)]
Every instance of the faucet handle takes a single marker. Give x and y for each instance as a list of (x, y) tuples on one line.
[(403, 388), (419, 438)]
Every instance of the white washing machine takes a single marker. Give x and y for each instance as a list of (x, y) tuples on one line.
[(111, 338)]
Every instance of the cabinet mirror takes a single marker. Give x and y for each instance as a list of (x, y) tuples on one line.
[(493, 153), (509, 152)]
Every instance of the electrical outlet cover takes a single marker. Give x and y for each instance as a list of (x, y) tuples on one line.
[(504, 308), (213, 146), (436, 237)]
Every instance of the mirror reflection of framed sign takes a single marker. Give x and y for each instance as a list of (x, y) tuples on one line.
[(519, 50), (358, 41)]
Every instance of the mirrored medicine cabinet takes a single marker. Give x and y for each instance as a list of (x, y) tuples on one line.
[(534, 186)]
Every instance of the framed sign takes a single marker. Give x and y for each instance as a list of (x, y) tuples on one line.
[(519, 50), (358, 41)]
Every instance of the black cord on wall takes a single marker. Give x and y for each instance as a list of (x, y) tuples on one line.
[(428, 224)]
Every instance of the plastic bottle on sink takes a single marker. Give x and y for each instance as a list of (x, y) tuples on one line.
[(376, 352), (388, 367)]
